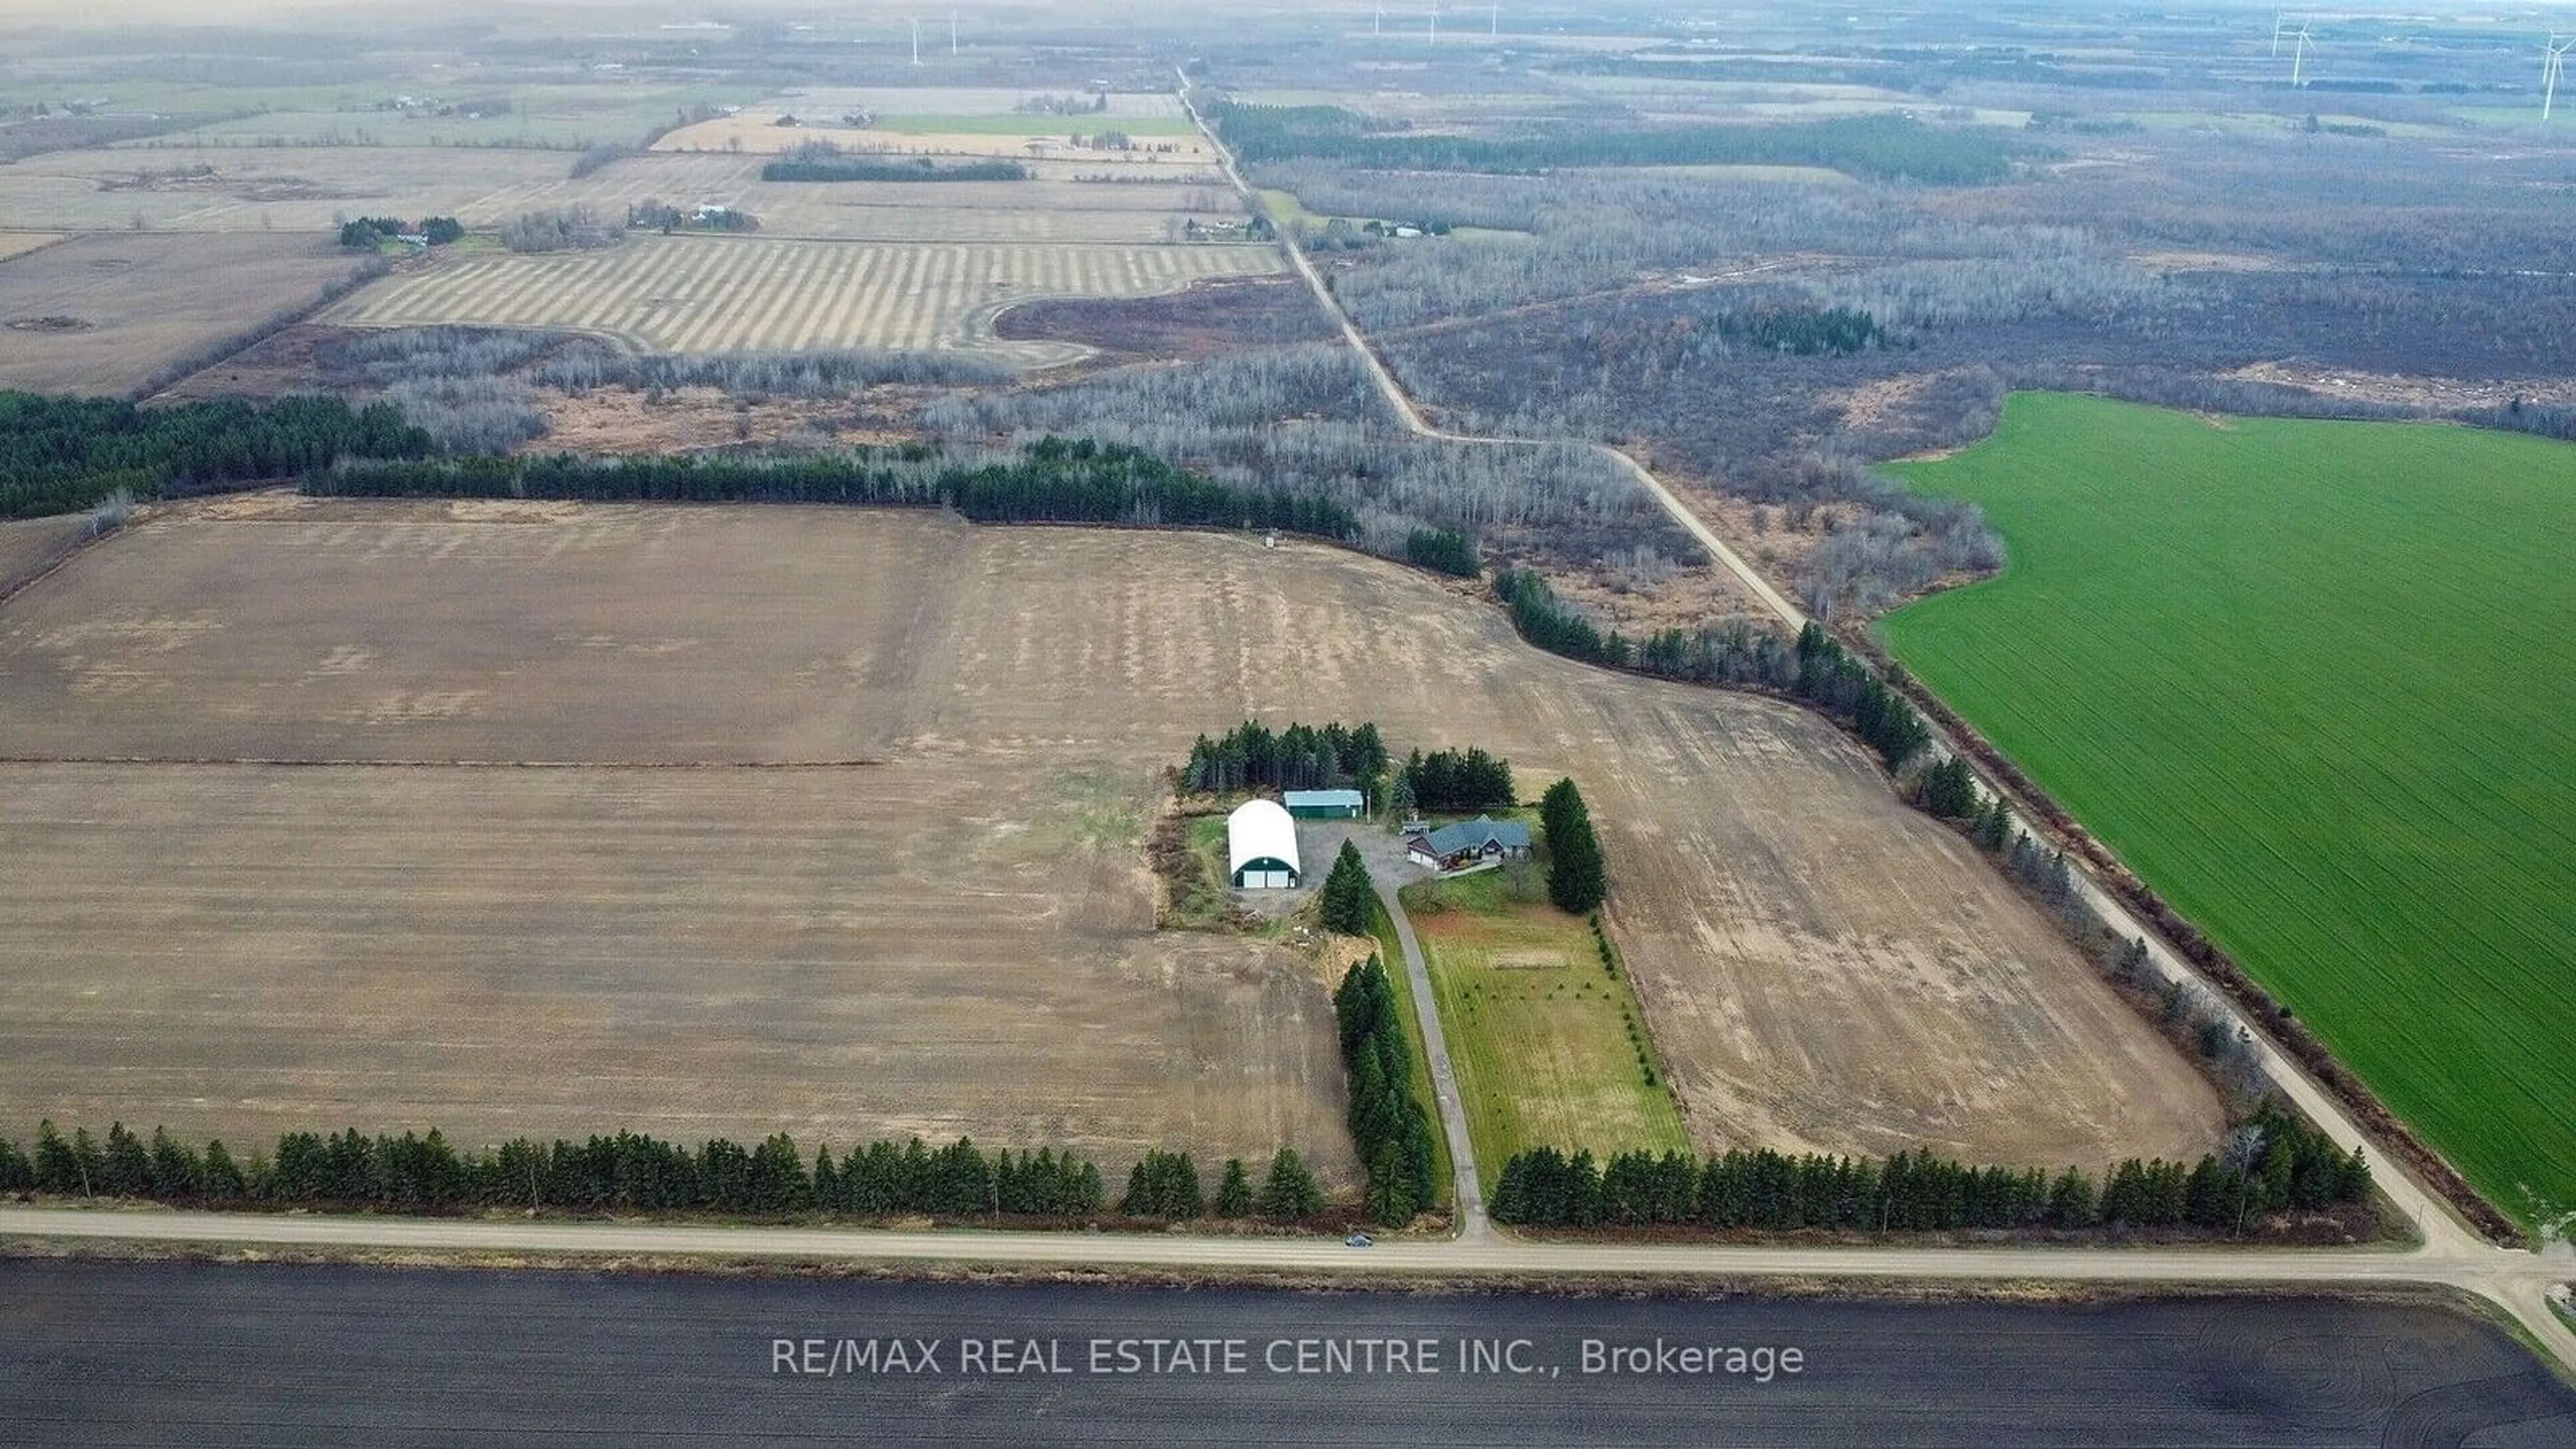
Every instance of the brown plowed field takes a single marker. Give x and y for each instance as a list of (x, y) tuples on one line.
[(956, 939)]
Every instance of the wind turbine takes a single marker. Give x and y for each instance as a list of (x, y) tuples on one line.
[(916, 41), (1377, 26), (2279, 28), (2299, 60), (1435, 22), (952, 33), (1493, 22), (2551, 68)]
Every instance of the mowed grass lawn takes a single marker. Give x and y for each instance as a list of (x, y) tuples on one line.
[(1538, 1030), (2316, 681)]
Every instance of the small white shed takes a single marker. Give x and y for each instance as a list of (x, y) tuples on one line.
[(1261, 847)]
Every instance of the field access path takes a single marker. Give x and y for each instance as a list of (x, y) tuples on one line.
[(2451, 1253), (1473, 1225)]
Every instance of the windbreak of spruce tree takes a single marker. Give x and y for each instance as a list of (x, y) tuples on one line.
[(1164, 1185), (629, 1172), (1817, 669), (1252, 756), (1289, 1192), (65, 454), (1577, 878), (1053, 480), (2272, 1164), (1388, 1123), (1457, 780), (1734, 653), (1443, 551)]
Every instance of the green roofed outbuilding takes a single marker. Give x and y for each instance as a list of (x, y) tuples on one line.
[(1326, 804)]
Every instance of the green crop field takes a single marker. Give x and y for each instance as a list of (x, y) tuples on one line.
[(2316, 682), (1546, 1042)]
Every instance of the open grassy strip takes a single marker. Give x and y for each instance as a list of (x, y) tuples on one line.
[(1538, 1030), (2314, 682), (1390, 952)]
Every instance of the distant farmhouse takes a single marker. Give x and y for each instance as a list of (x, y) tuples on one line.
[(1326, 804), (1261, 847), (1456, 847)]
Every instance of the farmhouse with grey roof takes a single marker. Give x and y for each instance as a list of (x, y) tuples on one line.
[(1455, 847)]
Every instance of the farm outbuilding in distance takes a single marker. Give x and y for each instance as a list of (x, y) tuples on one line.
[(1261, 847), (1326, 804)]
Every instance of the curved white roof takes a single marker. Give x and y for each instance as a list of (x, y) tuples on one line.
[(1260, 828)]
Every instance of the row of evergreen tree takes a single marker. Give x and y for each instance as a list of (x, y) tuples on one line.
[(632, 1172), (367, 232), (2273, 1163), (1734, 653), (65, 454), (1817, 668), (629, 1172), (1577, 877), (1166, 1185), (1252, 756), (1053, 480), (1830, 677), (1453, 780), (1948, 790), (1443, 551), (1389, 1124)]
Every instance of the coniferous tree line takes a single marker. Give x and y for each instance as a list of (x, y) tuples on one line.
[(852, 168), (1051, 481), (368, 231), (2272, 1164), (1734, 653), (1818, 669), (1453, 780), (1829, 676), (628, 1172), (1443, 551), (1166, 1185), (64, 454), (1252, 756), (1389, 1124), (1577, 877)]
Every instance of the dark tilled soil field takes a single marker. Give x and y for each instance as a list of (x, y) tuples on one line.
[(1211, 319), (112, 1354)]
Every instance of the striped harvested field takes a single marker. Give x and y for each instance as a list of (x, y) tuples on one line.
[(729, 294)]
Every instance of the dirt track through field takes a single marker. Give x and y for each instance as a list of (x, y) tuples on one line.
[(1822, 967)]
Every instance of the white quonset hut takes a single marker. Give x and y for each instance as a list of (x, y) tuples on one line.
[(1261, 847)]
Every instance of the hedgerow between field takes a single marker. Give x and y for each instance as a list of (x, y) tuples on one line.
[(631, 1172), (2271, 1165)]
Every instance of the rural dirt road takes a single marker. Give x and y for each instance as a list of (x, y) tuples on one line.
[(2517, 1281), (2452, 1253)]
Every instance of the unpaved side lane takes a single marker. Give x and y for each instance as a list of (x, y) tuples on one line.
[(1472, 1223)]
